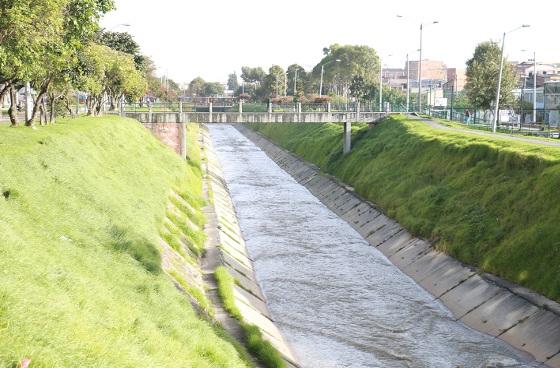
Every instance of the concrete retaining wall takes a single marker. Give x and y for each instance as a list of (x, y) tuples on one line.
[(170, 134), (524, 319), (233, 254)]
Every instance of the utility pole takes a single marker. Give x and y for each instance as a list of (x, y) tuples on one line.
[(380, 85), (321, 84), (295, 82), (535, 87), (420, 72), (407, 84), (498, 89)]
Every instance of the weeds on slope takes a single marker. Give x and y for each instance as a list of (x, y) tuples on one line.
[(257, 345)]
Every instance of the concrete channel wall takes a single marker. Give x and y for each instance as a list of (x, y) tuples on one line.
[(233, 254), (524, 319)]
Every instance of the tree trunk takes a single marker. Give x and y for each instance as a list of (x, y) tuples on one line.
[(5, 89), (46, 112), (36, 106), (98, 104), (67, 103), (42, 113), (52, 103), (11, 110)]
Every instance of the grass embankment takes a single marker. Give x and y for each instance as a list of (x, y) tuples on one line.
[(81, 206), (489, 202), (257, 345)]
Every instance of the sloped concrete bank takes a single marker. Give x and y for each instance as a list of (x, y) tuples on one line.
[(226, 247), (524, 319)]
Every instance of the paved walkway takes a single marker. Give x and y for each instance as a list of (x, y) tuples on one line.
[(435, 124)]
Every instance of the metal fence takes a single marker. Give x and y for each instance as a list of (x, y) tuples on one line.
[(547, 123)]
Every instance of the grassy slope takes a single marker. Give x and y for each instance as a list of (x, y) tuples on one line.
[(80, 278), (489, 202)]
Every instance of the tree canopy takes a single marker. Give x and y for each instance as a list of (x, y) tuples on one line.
[(482, 77)]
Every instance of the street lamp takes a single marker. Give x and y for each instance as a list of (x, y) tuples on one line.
[(381, 83), (534, 85), (322, 71), (118, 25), (497, 107), (420, 63), (420, 68)]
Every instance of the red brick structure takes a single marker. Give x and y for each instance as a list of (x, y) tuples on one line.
[(170, 134)]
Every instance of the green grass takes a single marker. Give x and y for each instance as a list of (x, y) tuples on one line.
[(81, 283), (488, 201), (257, 345)]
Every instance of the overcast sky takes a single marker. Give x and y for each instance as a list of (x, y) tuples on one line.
[(212, 38)]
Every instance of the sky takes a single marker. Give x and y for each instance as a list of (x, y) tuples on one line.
[(213, 38)]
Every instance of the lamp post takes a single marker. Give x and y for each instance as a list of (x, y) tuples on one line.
[(381, 83), (422, 25), (420, 68), (118, 25), (322, 71), (498, 89), (407, 84)]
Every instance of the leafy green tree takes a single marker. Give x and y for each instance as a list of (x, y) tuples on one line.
[(355, 60), (39, 41), (233, 83), (252, 75), (123, 42), (275, 81), (196, 87), (482, 77), (212, 89), (302, 80)]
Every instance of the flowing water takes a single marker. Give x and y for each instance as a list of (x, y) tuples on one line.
[(338, 301)]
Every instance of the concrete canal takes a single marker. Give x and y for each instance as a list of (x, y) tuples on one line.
[(339, 302)]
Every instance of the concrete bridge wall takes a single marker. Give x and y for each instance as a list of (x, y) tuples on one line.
[(254, 117)]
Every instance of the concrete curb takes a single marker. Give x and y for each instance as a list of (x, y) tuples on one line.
[(234, 256), (524, 319)]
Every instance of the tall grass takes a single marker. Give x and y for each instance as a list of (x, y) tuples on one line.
[(257, 345), (80, 277), (488, 201)]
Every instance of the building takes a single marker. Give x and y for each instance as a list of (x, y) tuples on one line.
[(552, 102), (545, 73), (456, 79), (395, 78), (432, 70)]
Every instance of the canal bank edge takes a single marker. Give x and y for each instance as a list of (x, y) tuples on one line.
[(226, 247), (524, 319)]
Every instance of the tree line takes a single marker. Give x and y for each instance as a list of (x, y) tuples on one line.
[(352, 71), (347, 71), (59, 48)]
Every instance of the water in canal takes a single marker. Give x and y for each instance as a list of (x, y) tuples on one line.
[(338, 301)]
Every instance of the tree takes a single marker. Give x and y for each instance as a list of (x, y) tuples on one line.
[(482, 77), (196, 87), (302, 80), (233, 83), (361, 61), (252, 75), (39, 42), (107, 72), (275, 81), (363, 90), (123, 42), (212, 89)]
